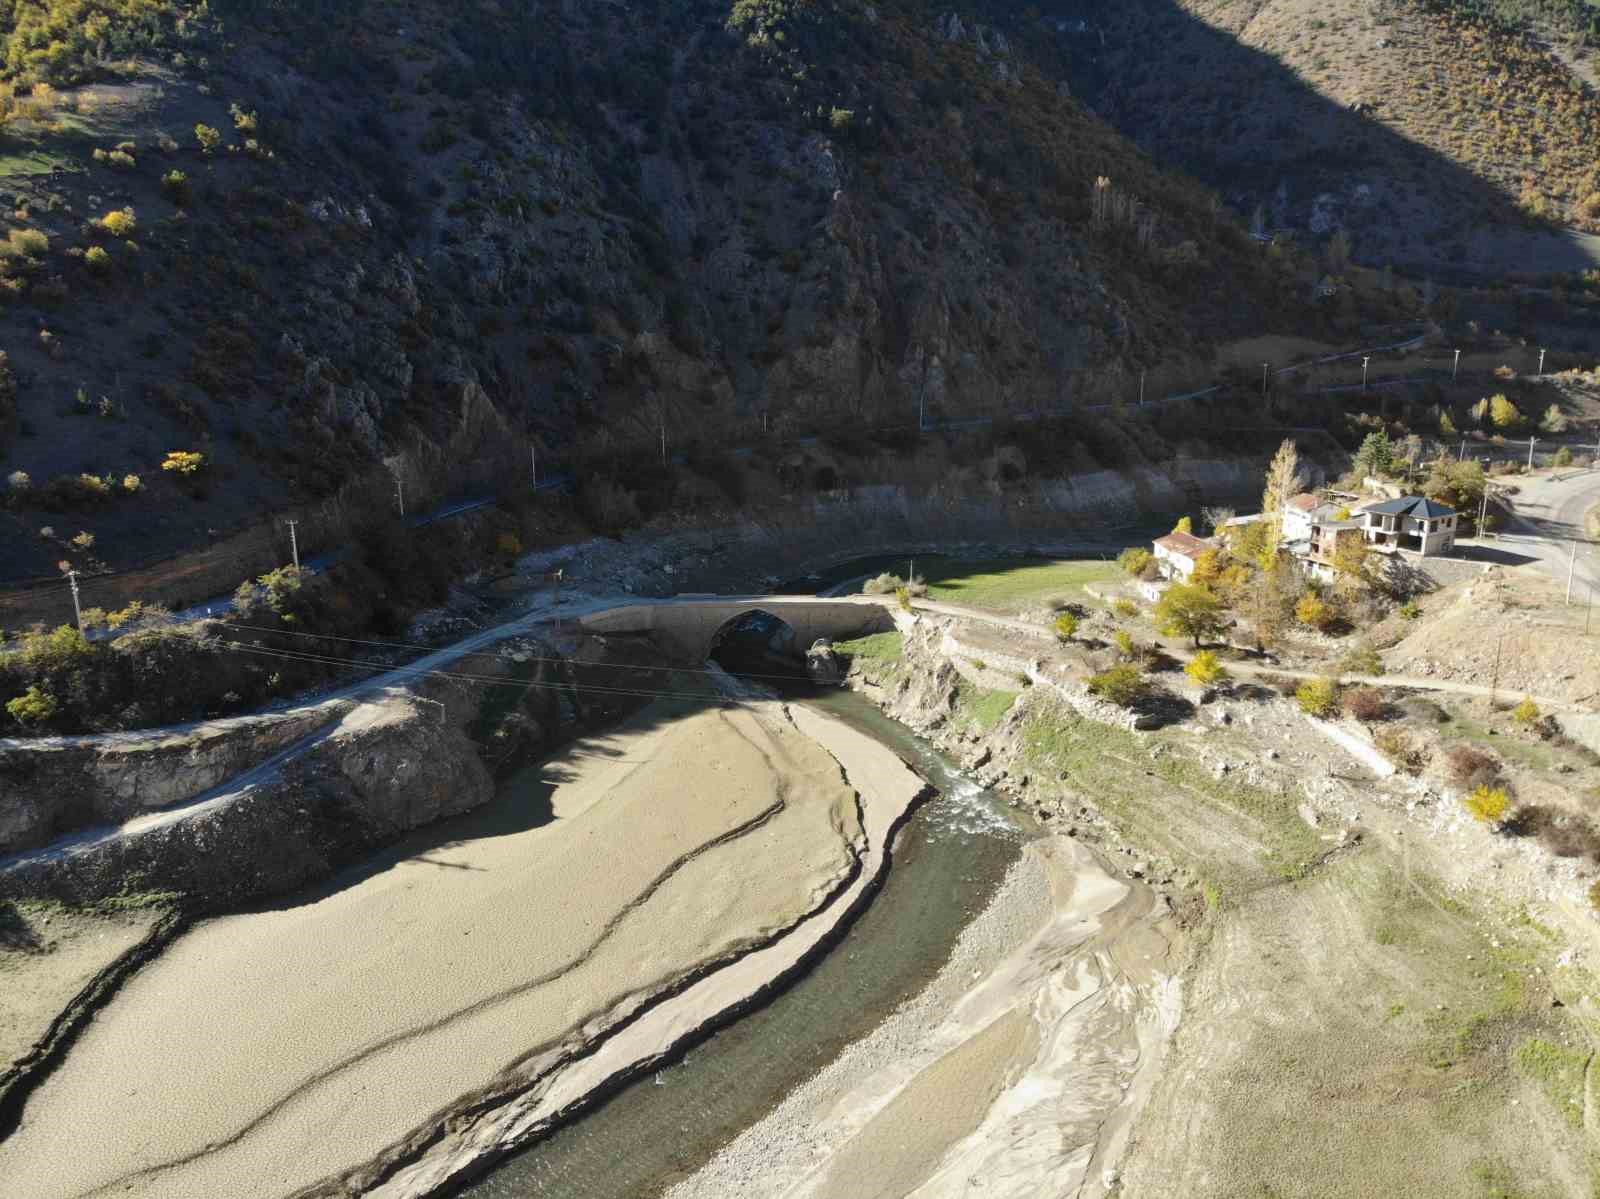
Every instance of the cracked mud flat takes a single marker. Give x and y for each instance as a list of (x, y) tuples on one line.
[(275, 1051), (1024, 1084)]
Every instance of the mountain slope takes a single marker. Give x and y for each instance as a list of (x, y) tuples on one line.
[(1436, 136), (450, 231)]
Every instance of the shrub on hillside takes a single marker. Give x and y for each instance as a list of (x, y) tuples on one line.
[(208, 138), (1363, 659), (1066, 626), (1122, 685), (1488, 804), (1125, 608), (1136, 561), (1471, 767), (1366, 704), (175, 185), (1318, 697), (1527, 712), (1206, 669), (33, 707), (1401, 751), (1313, 611), (119, 222)]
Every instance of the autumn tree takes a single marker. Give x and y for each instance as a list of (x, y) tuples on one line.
[(1282, 483), (1190, 611), (1504, 413)]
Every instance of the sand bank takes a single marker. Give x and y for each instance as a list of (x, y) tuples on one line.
[(267, 1052), (1014, 1076)]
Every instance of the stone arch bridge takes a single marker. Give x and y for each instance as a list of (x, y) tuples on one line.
[(688, 627)]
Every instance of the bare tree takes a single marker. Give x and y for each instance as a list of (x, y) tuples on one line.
[(1216, 517)]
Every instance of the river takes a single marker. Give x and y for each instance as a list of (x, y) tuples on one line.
[(948, 861)]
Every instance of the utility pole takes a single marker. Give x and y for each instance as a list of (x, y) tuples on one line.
[(1265, 367), (1462, 456), (1541, 362), (1483, 512), (77, 608), (294, 544), (1141, 388), (1456, 369), (533, 463), (1494, 681), (1364, 362), (1531, 440), (1572, 565)]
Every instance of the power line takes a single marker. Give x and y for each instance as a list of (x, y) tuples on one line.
[(484, 653)]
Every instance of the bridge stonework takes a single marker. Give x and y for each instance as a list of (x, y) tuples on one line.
[(687, 628)]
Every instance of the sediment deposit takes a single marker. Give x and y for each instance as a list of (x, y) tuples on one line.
[(287, 1049)]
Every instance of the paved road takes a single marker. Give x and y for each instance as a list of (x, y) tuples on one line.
[(1547, 522)]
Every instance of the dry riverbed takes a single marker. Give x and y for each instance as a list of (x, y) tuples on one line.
[(285, 1048)]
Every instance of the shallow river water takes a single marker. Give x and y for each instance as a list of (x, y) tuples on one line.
[(948, 861)]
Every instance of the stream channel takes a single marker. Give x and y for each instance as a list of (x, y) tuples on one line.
[(948, 860)]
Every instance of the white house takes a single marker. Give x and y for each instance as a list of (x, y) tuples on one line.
[(1177, 553), (1303, 511), (1410, 523)]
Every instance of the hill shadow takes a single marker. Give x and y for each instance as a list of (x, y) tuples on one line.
[(1242, 121)]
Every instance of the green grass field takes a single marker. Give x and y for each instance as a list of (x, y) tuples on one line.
[(1013, 584)]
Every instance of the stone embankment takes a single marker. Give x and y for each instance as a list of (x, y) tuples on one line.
[(384, 768), (51, 786)]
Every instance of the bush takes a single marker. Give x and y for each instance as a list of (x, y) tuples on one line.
[(60, 647), (34, 706), (1400, 750), (119, 222), (1122, 685), (1135, 560), (1564, 456), (208, 138), (1318, 697), (1527, 712), (184, 462), (1185, 525), (1366, 704), (1125, 608), (97, 259), (1471, 767), (1313, 611), (884, 584), (903, 596), (176, 186), (1410, 610), (1124, 643), (1066, 626), (1363, 659), (1206, 669), (1488, 804)]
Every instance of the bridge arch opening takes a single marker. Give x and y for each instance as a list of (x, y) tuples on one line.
[(756, 642)]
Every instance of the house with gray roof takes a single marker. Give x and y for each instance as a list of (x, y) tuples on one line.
[(1410, 523)]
